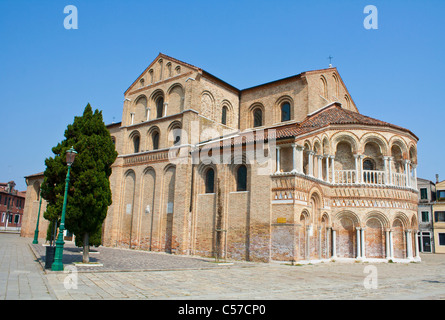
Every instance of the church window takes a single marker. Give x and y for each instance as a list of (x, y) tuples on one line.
[(136, 142), (160, 107), (257, 118), (224, 116), (368, 164), (241, 178), (155, 140), (210, 181), (285, 112)]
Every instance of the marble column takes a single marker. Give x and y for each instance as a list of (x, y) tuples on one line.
[(391, 245), (409, 245), (390, 159), (147, 112), (416, 243), (362, 240), (319, 167), (332, 168), (278, 151), (327, 167), (359, 246), (357, 177), (385, 169), (311, 163), (407, 174)]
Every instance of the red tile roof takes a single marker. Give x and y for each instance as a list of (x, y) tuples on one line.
[(333, 114)]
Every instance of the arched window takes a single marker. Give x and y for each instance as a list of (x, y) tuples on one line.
[(285, 112), (155, 140), (160, 107), (241, 178), (257, 118), (136, 142), (368, 164), (324, 87), (210, 181), (224, 116)]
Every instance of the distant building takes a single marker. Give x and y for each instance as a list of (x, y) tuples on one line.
[(427, 197), (31, 210), (439, 217), (12, 203)]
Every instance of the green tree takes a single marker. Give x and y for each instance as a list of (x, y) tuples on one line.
[(89, 193)]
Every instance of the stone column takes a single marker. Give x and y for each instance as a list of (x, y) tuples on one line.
[(407, 175), (409, 245), (387, 242), (390, 159), (332, 168), (391, 245), (132, 117), (415, 175), (297, 153), (416, 243), (300, 151), (362, 240), (147, 111), (360, 168), (385, 169), (308, 243), (311, 163), (327, 167), (328, 233), (278, 159), (357, 178), (358, 243), (319, 167), (319, 243), (165, 108)]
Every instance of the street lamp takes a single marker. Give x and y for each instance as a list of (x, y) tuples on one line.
[(58, 265)]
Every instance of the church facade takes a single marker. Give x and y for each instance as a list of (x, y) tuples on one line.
[(284, 171), (288, 170)]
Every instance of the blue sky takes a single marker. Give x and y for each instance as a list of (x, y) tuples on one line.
[(48, 74)]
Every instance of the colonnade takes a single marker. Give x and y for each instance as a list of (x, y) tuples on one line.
[(411, 253), (356, 176)]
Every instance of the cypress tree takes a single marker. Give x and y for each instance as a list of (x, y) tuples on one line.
[(89, 193)]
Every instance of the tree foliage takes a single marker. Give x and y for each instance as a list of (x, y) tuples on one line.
[(89, 193)]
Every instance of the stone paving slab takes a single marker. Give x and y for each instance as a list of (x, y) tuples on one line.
[(120, 260), (21, 277), (134, 275), (326, 281)]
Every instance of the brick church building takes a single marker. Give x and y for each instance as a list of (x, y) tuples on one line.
[(283, 171)]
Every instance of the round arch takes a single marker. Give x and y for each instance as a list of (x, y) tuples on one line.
[(345, 136), (378, 139)]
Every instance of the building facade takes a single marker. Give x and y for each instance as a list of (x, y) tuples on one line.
[(12, 203), (34, 206), (283, 171), (427, 197), (439, 218)]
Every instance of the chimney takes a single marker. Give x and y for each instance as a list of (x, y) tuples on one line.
[(437, 178)]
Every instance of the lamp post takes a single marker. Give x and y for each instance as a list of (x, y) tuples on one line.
[(58, 265), (36, 232)]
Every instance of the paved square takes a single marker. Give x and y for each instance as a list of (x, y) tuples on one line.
[(128, 274)]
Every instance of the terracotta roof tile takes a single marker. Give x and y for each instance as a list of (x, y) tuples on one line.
[(333, 114)]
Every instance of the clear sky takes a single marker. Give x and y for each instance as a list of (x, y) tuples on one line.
[(48, 74)]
